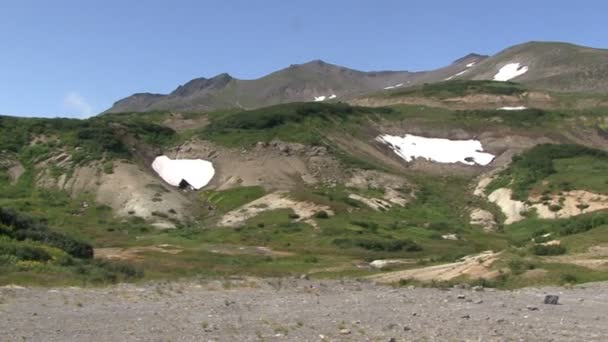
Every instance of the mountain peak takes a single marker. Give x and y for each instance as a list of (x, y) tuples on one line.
[(198, 84), (470, 57)]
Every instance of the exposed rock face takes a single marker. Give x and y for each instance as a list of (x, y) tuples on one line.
[(484, 219), (511, 208)]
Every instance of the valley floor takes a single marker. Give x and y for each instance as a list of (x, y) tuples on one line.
[(300, 310)]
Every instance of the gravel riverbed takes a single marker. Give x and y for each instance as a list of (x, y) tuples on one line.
[(300, 310)]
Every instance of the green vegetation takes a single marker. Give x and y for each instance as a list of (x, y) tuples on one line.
[(35, 139), (29, 249), (294, 122), (565, 167), (227, 200), (456, 88), (530, 117), (548, 250)]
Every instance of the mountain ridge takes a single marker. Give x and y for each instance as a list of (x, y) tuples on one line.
[(554, 66)]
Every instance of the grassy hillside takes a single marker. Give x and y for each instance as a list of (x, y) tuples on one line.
[(552, 168), (277, 242)]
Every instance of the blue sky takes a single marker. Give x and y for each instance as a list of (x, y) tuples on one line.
[(75, 58)]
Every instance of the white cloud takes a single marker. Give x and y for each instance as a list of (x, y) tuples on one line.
[(77, 105)]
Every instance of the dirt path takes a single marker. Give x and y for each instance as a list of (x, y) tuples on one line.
[(300, 310)]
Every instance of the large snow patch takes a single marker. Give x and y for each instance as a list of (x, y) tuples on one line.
[(510, 71), (196, 172), (410, 147)]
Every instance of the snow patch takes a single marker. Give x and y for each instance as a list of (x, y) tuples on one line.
[(510, 71), (470, 64), (513, 108), (324, 97), (394, 86), (410, 147), (458, 74), (196, 172)]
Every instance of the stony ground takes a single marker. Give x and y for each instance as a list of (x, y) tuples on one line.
[(300, 310)]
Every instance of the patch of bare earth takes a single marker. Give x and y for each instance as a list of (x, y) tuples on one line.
[(133, 253), (275, 166), (473, 266), (248, 250), (396, 190), (273, 201), (533, 99), (595, 258), (571, 203), (129, 189), (180, 122), (483, 218)]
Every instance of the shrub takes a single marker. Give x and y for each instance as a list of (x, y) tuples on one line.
[(379, 245), (26, 228), (548, 250), (555, 207), (321, 214)]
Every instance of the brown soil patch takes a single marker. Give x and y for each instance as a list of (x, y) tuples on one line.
[(596, 258), (179, 123), (473, 266), (571, 205), (133, 253), (249, 250), (273, 201), (275, 166)]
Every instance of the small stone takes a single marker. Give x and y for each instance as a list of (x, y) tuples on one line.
[(551, 299), (406, 328), (344, 331), (461, 296), (478, 301), (477, 288), (304, 277), (532, 308), (466, 317)]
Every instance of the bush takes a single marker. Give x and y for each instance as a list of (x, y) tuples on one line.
[(24, 252), (26, 228), (548, 250), (379, 245), (322, 215), (270, 117)]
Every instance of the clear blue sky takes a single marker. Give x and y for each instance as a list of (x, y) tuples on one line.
[(75, 58)]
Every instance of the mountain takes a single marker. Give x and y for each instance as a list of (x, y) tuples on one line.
[(297, 83), (548, 66), (394, 181)]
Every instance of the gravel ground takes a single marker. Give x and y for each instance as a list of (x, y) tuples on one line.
[(300, 310)]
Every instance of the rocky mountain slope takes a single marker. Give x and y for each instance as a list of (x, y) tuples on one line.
[(311, 81), (541, 65)]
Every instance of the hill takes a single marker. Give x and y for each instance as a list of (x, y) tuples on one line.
[(394, 193)]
